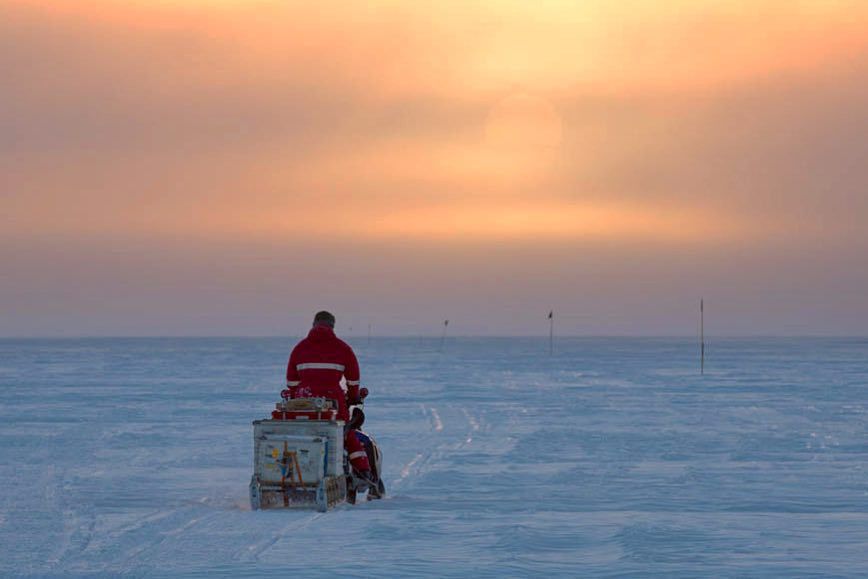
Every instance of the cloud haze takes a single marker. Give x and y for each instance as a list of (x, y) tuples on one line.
[(221, 167)]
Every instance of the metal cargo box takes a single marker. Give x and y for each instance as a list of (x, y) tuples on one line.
[(297, 463)]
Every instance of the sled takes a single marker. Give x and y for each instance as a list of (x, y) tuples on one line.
[(298, 457)]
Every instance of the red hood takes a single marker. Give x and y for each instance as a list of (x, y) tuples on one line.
[(320, 333)]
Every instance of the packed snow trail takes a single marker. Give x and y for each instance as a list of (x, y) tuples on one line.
[(612, 457)]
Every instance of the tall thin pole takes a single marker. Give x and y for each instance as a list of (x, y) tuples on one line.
[(443, 337), (702, 336), (551, 332)]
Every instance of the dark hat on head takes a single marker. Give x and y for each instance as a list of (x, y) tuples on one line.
[(325, 318)]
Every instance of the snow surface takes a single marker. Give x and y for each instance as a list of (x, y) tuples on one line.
[(613, 457)]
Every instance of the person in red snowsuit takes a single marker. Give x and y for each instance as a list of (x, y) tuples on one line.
[(315, 368)]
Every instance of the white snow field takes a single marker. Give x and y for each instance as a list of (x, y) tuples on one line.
[(614, 457)]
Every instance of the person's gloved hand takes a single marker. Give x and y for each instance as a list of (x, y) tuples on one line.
[(285, 394), (359, 397)]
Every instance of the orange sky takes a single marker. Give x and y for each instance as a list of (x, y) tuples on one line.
[(436, 133)]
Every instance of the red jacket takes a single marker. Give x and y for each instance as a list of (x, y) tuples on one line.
[(316, 366)]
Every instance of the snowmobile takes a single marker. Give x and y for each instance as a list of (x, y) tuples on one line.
[(299, 459)]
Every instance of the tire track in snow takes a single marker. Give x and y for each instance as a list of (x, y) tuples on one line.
[(134, 556), (257, 549), (188, 525), (407, 470), (418, 462), (72, 527), (474, 426), (422, 462), (141, 522), (437, 423), (77, 529)]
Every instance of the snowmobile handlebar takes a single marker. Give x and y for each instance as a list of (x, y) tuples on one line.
[(358, 400)]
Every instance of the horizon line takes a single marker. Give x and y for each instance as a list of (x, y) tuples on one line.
[(420, 336)]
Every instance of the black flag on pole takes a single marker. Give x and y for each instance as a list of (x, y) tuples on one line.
[(551, 319)]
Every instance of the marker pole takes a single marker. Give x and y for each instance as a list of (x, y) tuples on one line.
[(702, 336)]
